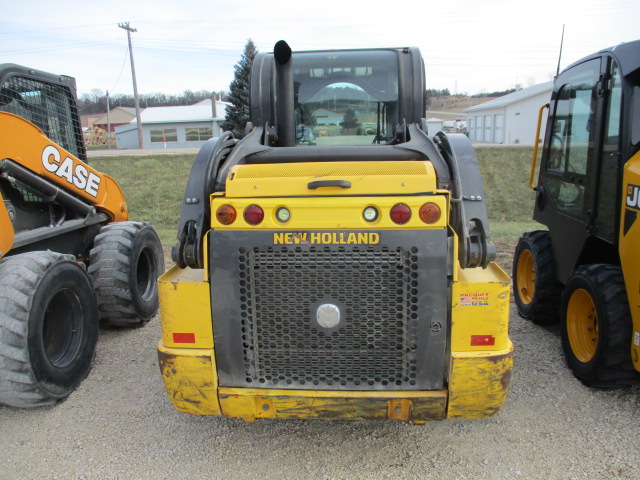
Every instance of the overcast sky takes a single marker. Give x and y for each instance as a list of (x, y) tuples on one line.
[(469, 46)]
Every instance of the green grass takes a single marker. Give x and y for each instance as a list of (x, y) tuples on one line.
[(101, 147), (154, 187), (505, 174)]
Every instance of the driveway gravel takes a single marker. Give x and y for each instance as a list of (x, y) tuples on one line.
[(120, 425)]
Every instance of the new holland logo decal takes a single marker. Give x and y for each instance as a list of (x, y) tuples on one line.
[(326, 238)]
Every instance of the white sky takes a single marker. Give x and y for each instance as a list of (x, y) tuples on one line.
[(469, 46)]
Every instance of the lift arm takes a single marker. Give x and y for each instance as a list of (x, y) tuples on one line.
[(25, 144)]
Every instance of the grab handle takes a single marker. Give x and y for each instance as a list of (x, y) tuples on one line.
[(535, 147), (329, 183)]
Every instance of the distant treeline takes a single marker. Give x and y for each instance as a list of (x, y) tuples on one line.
[(96, 101), (433, 92), (500, 93)]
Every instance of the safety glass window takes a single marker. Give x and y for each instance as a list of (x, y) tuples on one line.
[(571, 148), (346, 98)]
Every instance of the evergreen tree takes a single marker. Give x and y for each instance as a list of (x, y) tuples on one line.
[(238, 112), (350, 123), (306, 116)]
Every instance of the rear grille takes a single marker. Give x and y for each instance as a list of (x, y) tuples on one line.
[(376, 290)]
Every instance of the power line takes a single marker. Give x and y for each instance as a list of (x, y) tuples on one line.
[(55, 28), (124, 60)]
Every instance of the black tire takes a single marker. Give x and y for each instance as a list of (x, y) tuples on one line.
[(536, 291), (48, 328), (596, 327), (125, 263)]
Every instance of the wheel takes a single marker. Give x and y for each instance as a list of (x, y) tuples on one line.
[(48, 327), (125, 263), (596, 327), (536, 290)]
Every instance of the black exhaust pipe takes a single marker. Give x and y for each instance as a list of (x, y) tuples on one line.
[(285, 121)]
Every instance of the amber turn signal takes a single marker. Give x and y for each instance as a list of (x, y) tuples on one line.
[(226, 214), (430, 213)]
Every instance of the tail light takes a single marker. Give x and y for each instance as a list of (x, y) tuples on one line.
[(400, 213), (430, 213), (226, 214), (253, 215)]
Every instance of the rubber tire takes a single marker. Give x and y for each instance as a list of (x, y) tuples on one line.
[(544, 307), (40, 291), (125, 263), (611, 365)]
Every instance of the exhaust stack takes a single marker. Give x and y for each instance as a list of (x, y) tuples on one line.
[(285, 122)]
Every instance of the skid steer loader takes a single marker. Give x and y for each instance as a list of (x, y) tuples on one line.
[(584, 271), (350, 277), (69, 257)]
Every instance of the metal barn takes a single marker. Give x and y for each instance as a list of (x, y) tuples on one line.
[(510, 119), (188, 126)]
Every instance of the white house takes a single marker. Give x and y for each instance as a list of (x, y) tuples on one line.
[(327, 117), (510, 119), (434, 125), (185, 126)]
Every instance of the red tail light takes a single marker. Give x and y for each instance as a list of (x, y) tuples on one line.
[(253, 215), (430, 213), (226, 214), (400, 213)]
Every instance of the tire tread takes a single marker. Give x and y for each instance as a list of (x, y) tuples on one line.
[(544, 309), (19, 275), (613, 368)]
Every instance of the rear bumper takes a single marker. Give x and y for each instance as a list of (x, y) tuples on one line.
[(478, 387), (475, 386)]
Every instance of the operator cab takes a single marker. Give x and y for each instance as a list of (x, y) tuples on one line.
[(346, 99), (337, 98)]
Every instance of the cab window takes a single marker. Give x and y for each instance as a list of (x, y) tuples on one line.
[(346, 99), (571, 148)]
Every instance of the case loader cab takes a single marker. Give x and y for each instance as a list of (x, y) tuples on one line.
[(46, 100)]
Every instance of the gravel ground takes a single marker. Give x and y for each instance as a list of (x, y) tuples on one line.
[(120, 425)]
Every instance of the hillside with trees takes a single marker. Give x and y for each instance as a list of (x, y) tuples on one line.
[(96, 101)]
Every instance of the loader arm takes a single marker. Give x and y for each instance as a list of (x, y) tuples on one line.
[(56, 165), (6, 239)]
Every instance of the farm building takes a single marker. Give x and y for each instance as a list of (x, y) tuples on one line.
[(510, 119), (434, 125), (117, 116), (186, 126), (327, 117)]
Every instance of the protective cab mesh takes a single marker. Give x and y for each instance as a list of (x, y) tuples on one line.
[(46, 105), (376, 290)]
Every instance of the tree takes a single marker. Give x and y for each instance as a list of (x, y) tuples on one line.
[(239, 90), (306, 116), (350, 123)]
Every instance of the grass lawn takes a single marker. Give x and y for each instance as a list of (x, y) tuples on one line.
[(154, 186)]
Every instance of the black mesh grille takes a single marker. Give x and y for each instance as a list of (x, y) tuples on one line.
[(376, 289), (46, 105)]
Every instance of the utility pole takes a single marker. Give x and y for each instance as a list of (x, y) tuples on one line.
[(125, 26), (108, 124)]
